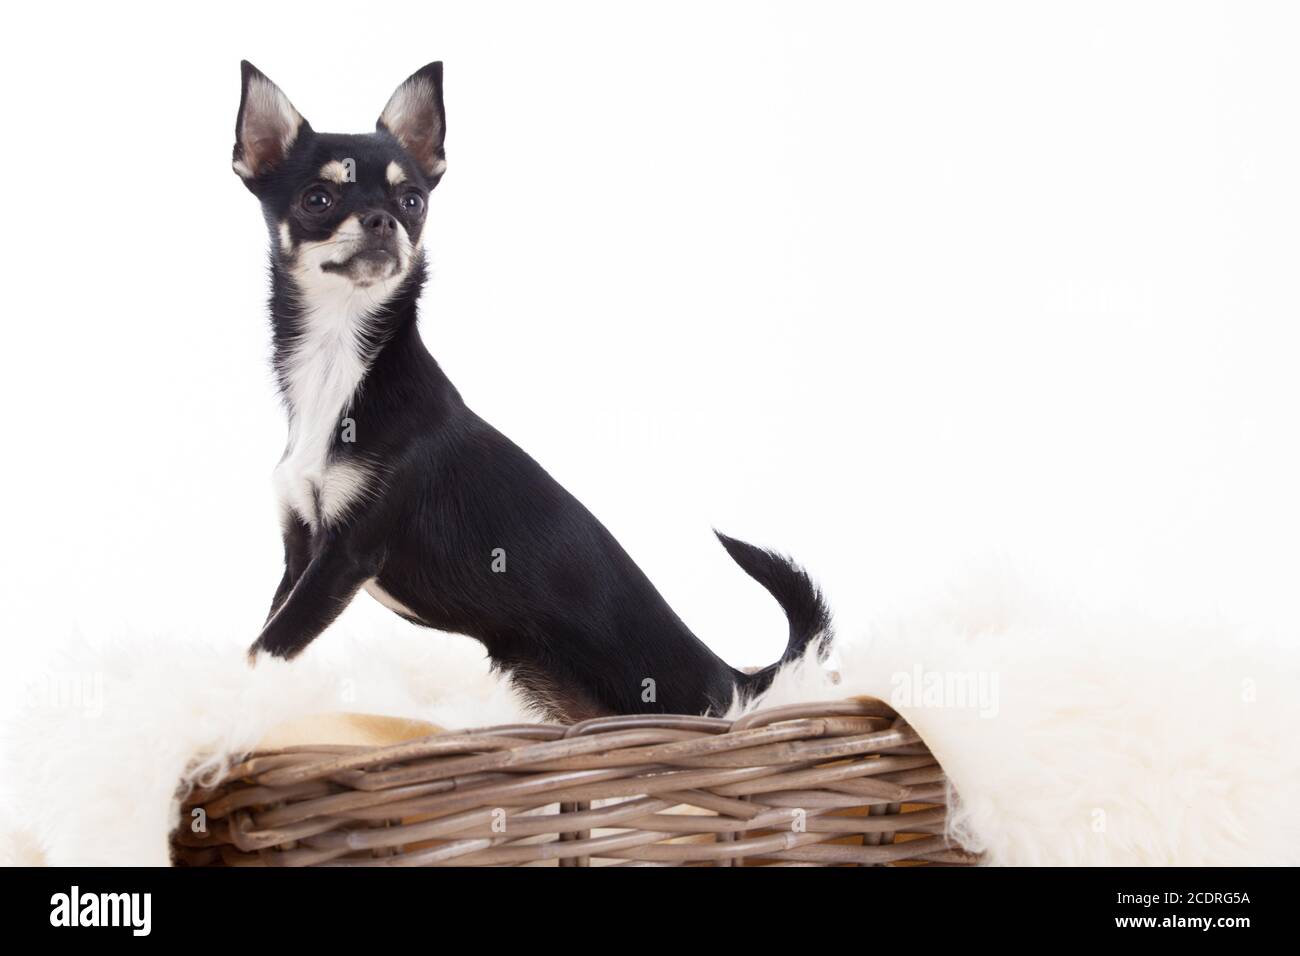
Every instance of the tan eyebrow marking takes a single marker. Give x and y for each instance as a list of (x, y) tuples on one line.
[(334, 171), (395, 174)]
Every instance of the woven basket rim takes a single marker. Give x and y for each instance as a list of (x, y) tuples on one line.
[(784, 785)]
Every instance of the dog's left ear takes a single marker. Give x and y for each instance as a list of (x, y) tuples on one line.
[(414, 115)]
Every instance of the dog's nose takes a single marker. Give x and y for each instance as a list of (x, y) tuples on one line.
[(379, 223)]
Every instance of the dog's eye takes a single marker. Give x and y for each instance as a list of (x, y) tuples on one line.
[(412, 203), (317, 200)]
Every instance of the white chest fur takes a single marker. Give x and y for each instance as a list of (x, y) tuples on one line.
[(321, 375)]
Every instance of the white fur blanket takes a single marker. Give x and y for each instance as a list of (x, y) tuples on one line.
[(1069, 737)]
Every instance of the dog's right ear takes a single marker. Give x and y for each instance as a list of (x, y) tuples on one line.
[(266, 128)]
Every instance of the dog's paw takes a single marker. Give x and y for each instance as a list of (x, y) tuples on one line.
[(259, 652)]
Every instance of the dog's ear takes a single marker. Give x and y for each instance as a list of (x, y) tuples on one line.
[(267, 125), (414, 115)]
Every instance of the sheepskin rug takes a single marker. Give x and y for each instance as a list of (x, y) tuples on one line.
[(1069, 736)]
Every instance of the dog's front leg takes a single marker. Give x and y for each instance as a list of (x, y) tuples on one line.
[(297, 555), (326, 586)]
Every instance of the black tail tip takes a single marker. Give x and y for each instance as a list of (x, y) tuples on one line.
[(804, 605), (735, 547)]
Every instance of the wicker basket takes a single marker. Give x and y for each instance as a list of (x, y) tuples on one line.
[(842, 783)]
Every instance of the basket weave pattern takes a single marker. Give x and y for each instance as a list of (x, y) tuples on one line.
[(822, 784)]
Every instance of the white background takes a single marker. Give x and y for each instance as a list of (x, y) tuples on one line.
[(896, 288)]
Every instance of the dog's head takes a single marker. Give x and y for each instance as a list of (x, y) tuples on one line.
[(345, 212)]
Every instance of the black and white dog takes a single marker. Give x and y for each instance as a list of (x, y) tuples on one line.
[(391, 484)]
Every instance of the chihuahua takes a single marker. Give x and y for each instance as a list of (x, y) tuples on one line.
[(391, 484)]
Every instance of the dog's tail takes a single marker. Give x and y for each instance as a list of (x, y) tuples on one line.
[(799, 597)]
